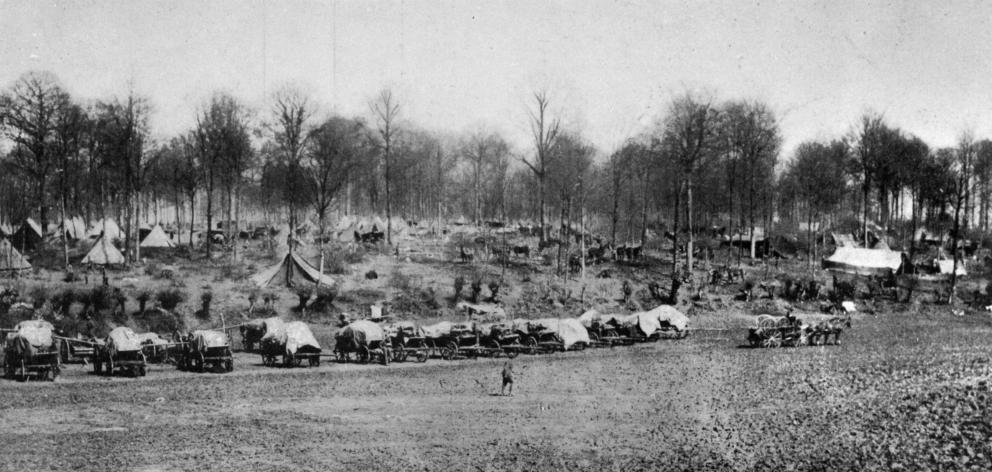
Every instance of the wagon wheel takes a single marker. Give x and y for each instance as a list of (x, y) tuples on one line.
[(802, 340), (530, 345), (228, 365), (579, 346), (773, 339), (198, 364), (363, 354), (594, 338), (287, 360), (422, 355), (142, 371), (448, 351), (218, 367), (493, 349)]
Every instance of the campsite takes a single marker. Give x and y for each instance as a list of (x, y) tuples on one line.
[(516, 235)]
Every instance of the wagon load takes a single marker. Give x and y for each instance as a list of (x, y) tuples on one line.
[(438, 329), (670, 319), (294, 342), (362, 341), (405, 339), (253, 331), (31, 351), (559, 334), (205, 349), (122, 350), (776, 331), (156, 348)]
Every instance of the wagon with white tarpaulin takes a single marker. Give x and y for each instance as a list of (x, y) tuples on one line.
[(294, 342), (31, 350)]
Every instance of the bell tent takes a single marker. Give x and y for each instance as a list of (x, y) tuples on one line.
[(11, 261), (157, 239), (103, 253)]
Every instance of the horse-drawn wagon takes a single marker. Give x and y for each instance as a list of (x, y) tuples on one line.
[(205, 350), (406, 340), (777, 331), (362, 341), (121, 351), (294, 342), (253, 331), (554, 334), (31, 351), (462, 340)]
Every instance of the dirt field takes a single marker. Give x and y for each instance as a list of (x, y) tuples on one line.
[(903, 390)]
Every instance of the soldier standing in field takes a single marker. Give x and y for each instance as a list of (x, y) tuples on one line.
[(507, 378)]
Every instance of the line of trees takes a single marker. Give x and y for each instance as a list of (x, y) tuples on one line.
[(704, 164)]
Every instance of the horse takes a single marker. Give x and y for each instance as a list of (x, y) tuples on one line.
[(833, 326)]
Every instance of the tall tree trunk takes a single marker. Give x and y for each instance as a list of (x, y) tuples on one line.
[(688, 248)]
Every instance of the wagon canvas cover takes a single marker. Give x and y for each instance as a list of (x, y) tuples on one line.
[(438, 329), (668, 314), (571, 331), (204, 339), (30, 337), (124, 339), (294, 336), (364, 332)]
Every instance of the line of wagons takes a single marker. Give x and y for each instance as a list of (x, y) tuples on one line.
[(363, 341)]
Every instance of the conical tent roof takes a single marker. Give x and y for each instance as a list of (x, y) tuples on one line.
[(10, 259), (291, 271), (108, 227), (103, 253), (28, 235), (156, 238)]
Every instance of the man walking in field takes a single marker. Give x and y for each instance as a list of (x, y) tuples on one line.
[(507, 378)]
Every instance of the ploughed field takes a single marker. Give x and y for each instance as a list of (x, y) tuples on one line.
[(901, 390)]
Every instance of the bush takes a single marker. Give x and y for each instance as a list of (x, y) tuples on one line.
[(142, 297), (400, 281), (170, 298), (101, 298), (62, 301), (325, 299), (459, 284), (157, 320), (303, 293), (38, 295), (204, 312)]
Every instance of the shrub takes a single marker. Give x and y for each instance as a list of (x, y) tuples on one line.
[(459, 284), (101, 298), (205, 298), (62, 301), (400, 281), (142, 297), (38, 295), (325, 299), (303, 293), (170, 298)]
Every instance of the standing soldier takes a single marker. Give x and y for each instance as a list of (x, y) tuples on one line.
[(507, 378)]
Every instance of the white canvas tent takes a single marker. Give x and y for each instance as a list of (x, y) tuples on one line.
[(291, 271), (11, 261), (862, 261), (157, 239), (107, 227), (103, 253)]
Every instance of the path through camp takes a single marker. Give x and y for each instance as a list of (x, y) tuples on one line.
[(704, 402)]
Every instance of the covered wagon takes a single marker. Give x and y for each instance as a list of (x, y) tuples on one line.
[(362, 341), (559, 334), (31, 351), (405, 340), (122, 351), (156, 348), (294, 342), (206, 350), (253, 331)]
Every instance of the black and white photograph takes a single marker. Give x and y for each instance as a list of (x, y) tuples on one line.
[(511, 235)]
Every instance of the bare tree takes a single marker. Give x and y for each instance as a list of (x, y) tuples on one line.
[(386, 111), (28, 111), (336, 148), (868, 148), (545, 131), (688, 138), (483, 153), (962, 167), (292, 111)]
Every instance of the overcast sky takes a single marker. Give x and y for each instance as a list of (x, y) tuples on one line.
[(457, 65)]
